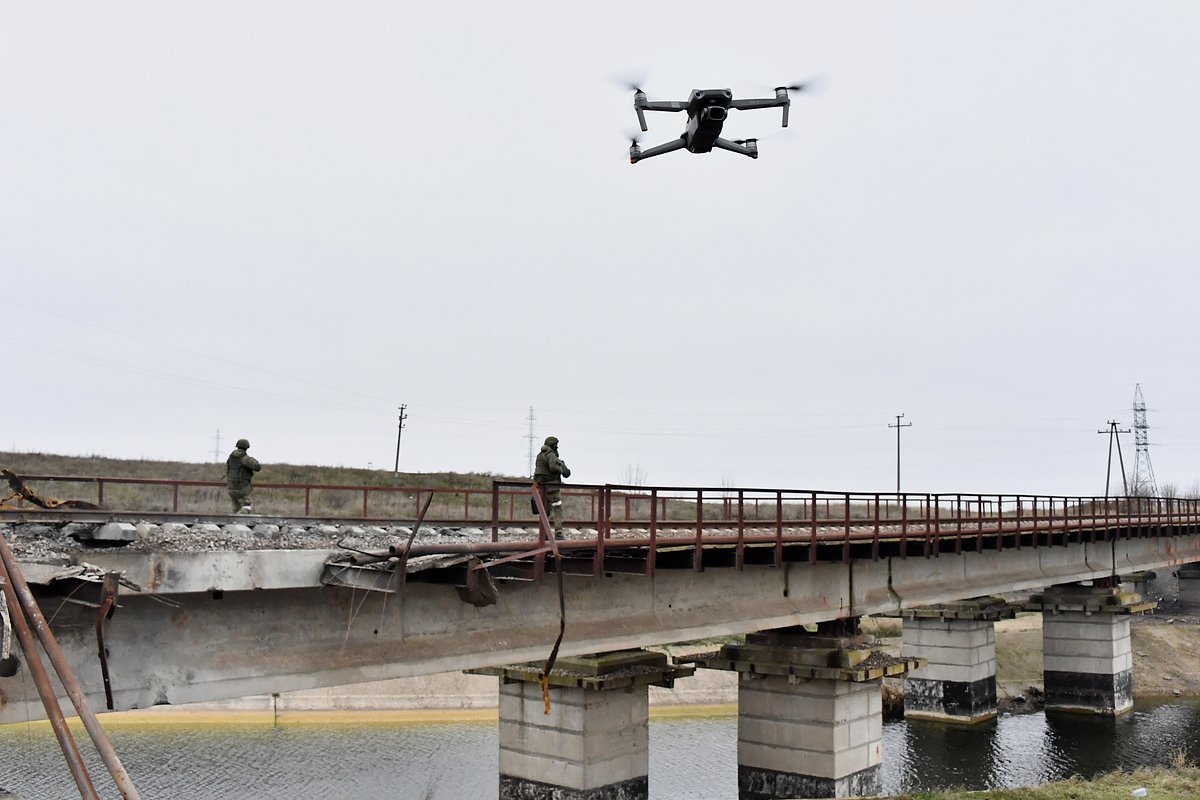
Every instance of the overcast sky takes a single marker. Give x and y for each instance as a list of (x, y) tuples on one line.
[(282, 220)]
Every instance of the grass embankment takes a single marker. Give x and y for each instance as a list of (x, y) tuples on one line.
[(467, 496), (200, 500)]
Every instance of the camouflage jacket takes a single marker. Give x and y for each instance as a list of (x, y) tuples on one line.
[(549, 468), (239, 469)]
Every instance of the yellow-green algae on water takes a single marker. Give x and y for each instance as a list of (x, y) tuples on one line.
[(1160, 783)]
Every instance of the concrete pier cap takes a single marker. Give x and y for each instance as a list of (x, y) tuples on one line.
[(587, 737), (810, 710)]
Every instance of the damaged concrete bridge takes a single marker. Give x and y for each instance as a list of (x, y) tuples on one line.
[(213, 607)]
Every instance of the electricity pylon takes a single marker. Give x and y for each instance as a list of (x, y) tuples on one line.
[(1143, 473)]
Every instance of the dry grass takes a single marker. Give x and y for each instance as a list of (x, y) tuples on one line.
[(385, 502), (883, 627), (466, 496)]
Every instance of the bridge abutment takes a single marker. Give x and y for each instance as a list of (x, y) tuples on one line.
[(958, 642), (592, 740), (1087, 657), (810, 713)]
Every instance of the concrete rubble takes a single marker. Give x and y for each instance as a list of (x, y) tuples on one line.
[(44, 542)]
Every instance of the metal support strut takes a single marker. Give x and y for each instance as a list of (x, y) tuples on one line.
[(21, 597)]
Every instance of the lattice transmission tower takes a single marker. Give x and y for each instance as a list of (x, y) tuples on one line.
[(1143, 471), (530, 419)]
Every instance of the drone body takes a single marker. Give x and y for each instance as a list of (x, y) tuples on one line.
[(707, 110)]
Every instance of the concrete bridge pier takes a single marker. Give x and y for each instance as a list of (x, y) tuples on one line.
[(1139, 581), (592, 743), (1087, 657), (810, 711), (958, 641), (1189, 583)]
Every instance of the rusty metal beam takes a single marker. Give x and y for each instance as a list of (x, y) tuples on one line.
[(70, 751), (15, 585)]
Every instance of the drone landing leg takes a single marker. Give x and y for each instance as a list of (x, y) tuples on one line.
[(636, 155), (748, 149)]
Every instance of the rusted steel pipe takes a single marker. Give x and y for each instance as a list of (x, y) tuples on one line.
[(34, 614), (111, 585), (402, 567), (45, 690), (544, 523)]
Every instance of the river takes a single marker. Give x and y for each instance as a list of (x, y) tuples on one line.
[(689, 757)]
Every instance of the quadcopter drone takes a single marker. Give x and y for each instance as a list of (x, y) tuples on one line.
[(707, 110)]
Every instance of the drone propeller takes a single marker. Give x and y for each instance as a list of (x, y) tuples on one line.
[(813, 84), (810, 85), (632, 80)]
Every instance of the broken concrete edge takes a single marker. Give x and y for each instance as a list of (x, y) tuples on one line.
[(985, 610), (898, 666), (1124, 603), (815, 652), (613, 670), (627, 678)]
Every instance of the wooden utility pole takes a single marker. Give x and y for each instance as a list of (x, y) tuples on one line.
[(1113, 433), (898, 426), (399, 433)]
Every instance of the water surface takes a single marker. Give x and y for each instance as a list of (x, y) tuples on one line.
[(689, 758)]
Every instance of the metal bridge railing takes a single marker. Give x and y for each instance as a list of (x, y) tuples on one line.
[(645, 515)]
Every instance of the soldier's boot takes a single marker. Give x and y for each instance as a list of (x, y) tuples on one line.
[(246, 509), (556, 518)]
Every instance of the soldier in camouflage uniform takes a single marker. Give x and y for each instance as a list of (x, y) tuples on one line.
[(547, 475), (239, 469)]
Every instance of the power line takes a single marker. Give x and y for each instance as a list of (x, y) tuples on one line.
[(169, 346)]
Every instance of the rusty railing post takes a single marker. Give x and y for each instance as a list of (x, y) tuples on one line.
[(740, 556), (652, 556), (778, 529), (812, 539), (495, 511), (875, 534)]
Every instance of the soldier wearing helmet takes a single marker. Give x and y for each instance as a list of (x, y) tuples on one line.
[(239, 469), (547, 476)]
